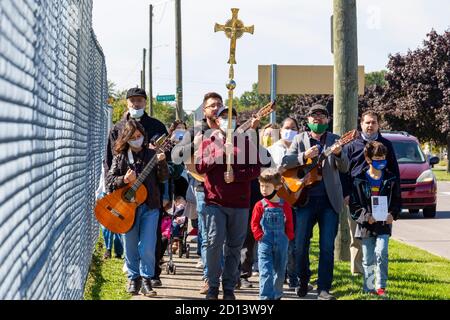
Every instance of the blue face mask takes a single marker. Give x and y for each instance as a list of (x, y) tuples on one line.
[(379, 164)]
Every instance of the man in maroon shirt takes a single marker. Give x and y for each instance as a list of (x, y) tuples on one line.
[(227, 197)]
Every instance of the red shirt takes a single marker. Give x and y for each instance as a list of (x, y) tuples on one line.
[(257, 215), (212, 163)]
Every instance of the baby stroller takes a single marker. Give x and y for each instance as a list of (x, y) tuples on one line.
[(178, 235)]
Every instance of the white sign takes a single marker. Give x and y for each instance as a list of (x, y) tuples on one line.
[(379, 208)]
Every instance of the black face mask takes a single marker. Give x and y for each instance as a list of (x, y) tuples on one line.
[(272, 195)]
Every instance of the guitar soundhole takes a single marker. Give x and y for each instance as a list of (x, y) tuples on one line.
[(129, 195)]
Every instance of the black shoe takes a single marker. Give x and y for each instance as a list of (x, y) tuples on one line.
[(156, 283), (213, 294), (134, 286), (325, 295), (118, 256), (245, 283), (228, 295), (147, 289), (302, 290), (238, 284), (107, 255)]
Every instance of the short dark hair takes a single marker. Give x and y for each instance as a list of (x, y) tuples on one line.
[(374, 149), (370, 113), (270, 175), (292, 119), (212, 95)]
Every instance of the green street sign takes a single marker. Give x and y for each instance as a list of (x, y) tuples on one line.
[(166, 98)]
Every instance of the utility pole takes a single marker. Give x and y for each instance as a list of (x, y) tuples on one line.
[(150, 64), (345, 114), (178, 46), (144, 57)]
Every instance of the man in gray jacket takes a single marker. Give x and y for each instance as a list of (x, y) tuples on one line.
[(325, 200)]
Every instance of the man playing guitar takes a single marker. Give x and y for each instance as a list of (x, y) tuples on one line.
[(325, 200)]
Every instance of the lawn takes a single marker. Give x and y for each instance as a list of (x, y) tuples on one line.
[(106, 280), (414, 274), (441, 174)]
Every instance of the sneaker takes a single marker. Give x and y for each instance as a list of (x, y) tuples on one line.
[(325, 295), (293, 286), (199, 264), (147, 289), (118, 256), (381, 292), (245, 283), (302, 291), (228, 295), (205, 288), (107, 255), (213, 294), (134, 286), (156, 283)]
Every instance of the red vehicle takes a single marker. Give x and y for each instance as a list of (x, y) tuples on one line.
[(418, 183)]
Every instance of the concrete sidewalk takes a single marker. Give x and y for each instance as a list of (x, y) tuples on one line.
[(187, 281)]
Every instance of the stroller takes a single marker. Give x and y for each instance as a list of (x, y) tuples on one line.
[(178, 236)]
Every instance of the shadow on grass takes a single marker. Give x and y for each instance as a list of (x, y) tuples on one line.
[(95, 279)]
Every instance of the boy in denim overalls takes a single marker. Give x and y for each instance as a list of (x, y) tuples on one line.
[(272, 227)]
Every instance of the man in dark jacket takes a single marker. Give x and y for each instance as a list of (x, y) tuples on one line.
[(355, 152)]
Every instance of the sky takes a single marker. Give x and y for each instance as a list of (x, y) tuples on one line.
[(287, 32)]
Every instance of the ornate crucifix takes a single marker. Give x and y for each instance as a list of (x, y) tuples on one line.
[(234, 29)]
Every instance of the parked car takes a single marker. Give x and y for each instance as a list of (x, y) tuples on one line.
[(418, 183)]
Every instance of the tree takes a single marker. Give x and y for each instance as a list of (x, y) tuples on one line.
[(375, 78)]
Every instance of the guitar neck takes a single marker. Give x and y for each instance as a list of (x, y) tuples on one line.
[(147, 170)]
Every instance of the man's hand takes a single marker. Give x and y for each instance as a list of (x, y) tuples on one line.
[(347, 200), (389, 219), (256, 121), (311, 153), (151, 146), (161, 157), (229, 177), (337, 151), (372, 220), (130, 176)]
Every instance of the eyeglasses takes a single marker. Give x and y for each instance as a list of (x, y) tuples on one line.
[(214, 105), (318, 115)]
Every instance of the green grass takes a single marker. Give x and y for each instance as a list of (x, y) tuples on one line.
[(106, 280), (441, 174), (414, 274)]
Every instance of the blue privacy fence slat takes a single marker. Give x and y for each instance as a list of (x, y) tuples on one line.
[(54, 122)]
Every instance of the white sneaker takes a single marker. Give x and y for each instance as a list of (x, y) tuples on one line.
[(124, 268), (199, 264)]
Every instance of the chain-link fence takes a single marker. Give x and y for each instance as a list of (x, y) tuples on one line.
[(53, 129)]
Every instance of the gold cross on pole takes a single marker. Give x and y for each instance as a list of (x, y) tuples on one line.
[(234, 29)]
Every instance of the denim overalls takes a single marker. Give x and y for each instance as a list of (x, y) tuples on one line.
[(272, 252)]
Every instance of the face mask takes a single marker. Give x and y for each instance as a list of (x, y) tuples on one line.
[(272, 195), (136, 143), (224, 124), (179, 134), (136, 114), (318, 127), (288, 134), (379, 164), (267, 141)]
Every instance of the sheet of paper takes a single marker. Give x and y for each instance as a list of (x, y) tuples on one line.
[(379, 208)]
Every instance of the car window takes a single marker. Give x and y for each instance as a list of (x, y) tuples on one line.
[(408, 152)]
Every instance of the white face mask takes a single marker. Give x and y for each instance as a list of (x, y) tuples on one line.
[(136, 143), (224, 124), (288, 134), (136, 114)]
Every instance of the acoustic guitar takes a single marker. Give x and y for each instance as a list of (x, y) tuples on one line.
[(297, 181), (263, 112), (117, 210)]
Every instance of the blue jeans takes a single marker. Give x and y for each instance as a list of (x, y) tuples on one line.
[(272, 254), (140, 243), (111, 238), (375, 262), (318, 209), (224, 226), (202, 231)]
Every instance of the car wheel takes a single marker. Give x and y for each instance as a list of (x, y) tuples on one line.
[(429, 212), (413, 211)]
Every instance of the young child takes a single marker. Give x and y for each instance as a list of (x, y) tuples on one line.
[(131, 157), (273, 228), (376, 181), (178, 222)]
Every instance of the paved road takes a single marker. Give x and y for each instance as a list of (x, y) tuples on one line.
[(432, 235)]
